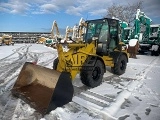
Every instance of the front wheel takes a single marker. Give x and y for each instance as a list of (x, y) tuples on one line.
[(120, 67), (92, 77)]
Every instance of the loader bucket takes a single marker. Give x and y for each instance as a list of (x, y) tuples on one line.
[(42, 88)]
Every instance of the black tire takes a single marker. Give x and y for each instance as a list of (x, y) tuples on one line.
[(55, 63), (152, 53), (112, 70), (93, 77), (120, 67), (141, 52), (156, 53)]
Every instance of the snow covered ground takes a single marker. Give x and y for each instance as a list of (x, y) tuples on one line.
[(134, 95)]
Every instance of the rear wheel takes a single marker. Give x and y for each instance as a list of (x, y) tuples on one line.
[(141, 52), (93, 77), (152, 53), (156, 53), (55, 63), (120, 67)]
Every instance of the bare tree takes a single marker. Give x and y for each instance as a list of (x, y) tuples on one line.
[(124, 12)]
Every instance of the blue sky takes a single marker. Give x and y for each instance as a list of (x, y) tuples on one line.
[(38, 15)]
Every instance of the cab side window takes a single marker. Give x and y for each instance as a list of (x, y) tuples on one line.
[(103, 37), (113, 37)]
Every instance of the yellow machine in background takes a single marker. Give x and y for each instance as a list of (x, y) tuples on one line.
[(81, 29), (77, 32), (0, 41), (6, 39), (54, 27), (42, 40), (50, 40), (55, 34), (69, 38), (46, 89)]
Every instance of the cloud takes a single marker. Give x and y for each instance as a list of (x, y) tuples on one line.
[(74, 11), (94, 7), (4, 9), (52, 6), (152, 8), (49, 8), (14, 6), (99, 12), (72, 7), (149, 7), (63, 4)]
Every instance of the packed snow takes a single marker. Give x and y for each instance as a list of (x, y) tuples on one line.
[(134, 95)]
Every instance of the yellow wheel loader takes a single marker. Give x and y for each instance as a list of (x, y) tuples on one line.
[(46, 89), (7, 40)]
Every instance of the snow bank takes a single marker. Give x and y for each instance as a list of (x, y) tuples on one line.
[(133, 42)]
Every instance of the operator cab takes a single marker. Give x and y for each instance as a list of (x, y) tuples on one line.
[(105, 32), (154, 31)]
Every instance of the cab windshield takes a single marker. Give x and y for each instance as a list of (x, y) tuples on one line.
[(154, 29), (97, 29)]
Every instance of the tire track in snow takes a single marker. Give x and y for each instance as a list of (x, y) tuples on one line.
[(10, 106), (109, 111), (14, 67), (85, 92), (93, 99), (9, 77), (131, 87), (14, 52), (13, 70), (45, 63), (105, 98)]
